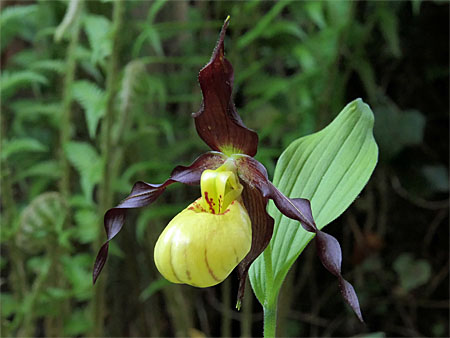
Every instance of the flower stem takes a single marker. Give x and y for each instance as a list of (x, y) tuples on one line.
[(270, 304), (270, 319)]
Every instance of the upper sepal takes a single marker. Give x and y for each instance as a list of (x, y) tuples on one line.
[(217, 121)]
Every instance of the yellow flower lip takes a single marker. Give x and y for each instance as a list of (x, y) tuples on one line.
[(208, 239), (202, 248)]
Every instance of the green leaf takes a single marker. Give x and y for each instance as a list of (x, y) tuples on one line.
[(78, 324), (9, 304), (262, 25), (87, 229), (388, 24), (412, 273), (154, 287), (315, 10), (21, 145), (11, 21), (49, 169), (30, 110), (406, 128), (57, 66), (330, 168), (98, 30), (88, 163), (437, 177), (12, 13), (11, 81), (93, 100), (77, 270)]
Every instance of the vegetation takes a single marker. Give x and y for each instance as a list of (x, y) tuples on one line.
[(96, 95)]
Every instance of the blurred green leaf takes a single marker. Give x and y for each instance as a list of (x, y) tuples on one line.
[(49, 168), (77, 269), (78, 324), (411, 272), (330, 168), (388, 24), (12, 81), (154, 287), (262, 25), (98, 31), (11, 19), (315, 10), (88, 163), (87, 225), (9, 304), (416, 6), (93, 101), (21, 145), (340, 12), (437, 177), (57, 66), (396, 130)]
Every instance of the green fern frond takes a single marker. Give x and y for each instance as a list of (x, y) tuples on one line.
[(12, 81), (20, 145), (56, 66), (93, 100), (87, 162), (98, 31)]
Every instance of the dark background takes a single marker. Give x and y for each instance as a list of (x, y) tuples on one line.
[(296, 66)]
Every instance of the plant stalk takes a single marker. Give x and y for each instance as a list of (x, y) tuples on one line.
[(270, 304), (270, 319), (54, 324), (225, 329), (106, 193), (64, 136)]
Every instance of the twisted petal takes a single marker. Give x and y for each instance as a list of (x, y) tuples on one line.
[(262, 230), (144, 194), (217, 122), (254, 174)]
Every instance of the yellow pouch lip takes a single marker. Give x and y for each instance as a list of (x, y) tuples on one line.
[(200, 248)]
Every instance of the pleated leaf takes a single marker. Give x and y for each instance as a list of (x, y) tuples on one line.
[(330, 168)]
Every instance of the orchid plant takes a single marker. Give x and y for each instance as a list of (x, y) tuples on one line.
[(228, 226)]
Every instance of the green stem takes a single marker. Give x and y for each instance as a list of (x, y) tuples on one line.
[(54, 324), (29, 314), (98, 303), (247, 314), (226, 300), (270, 319), (270, 304), (67, 107)]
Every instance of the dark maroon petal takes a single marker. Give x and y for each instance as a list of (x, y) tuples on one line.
[(144, 194), (262, 230), (254, 174), (217, 122)]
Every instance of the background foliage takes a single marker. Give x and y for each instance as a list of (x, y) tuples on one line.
[(98, 94)]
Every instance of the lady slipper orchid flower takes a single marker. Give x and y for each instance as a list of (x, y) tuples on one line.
[(228, 225)]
